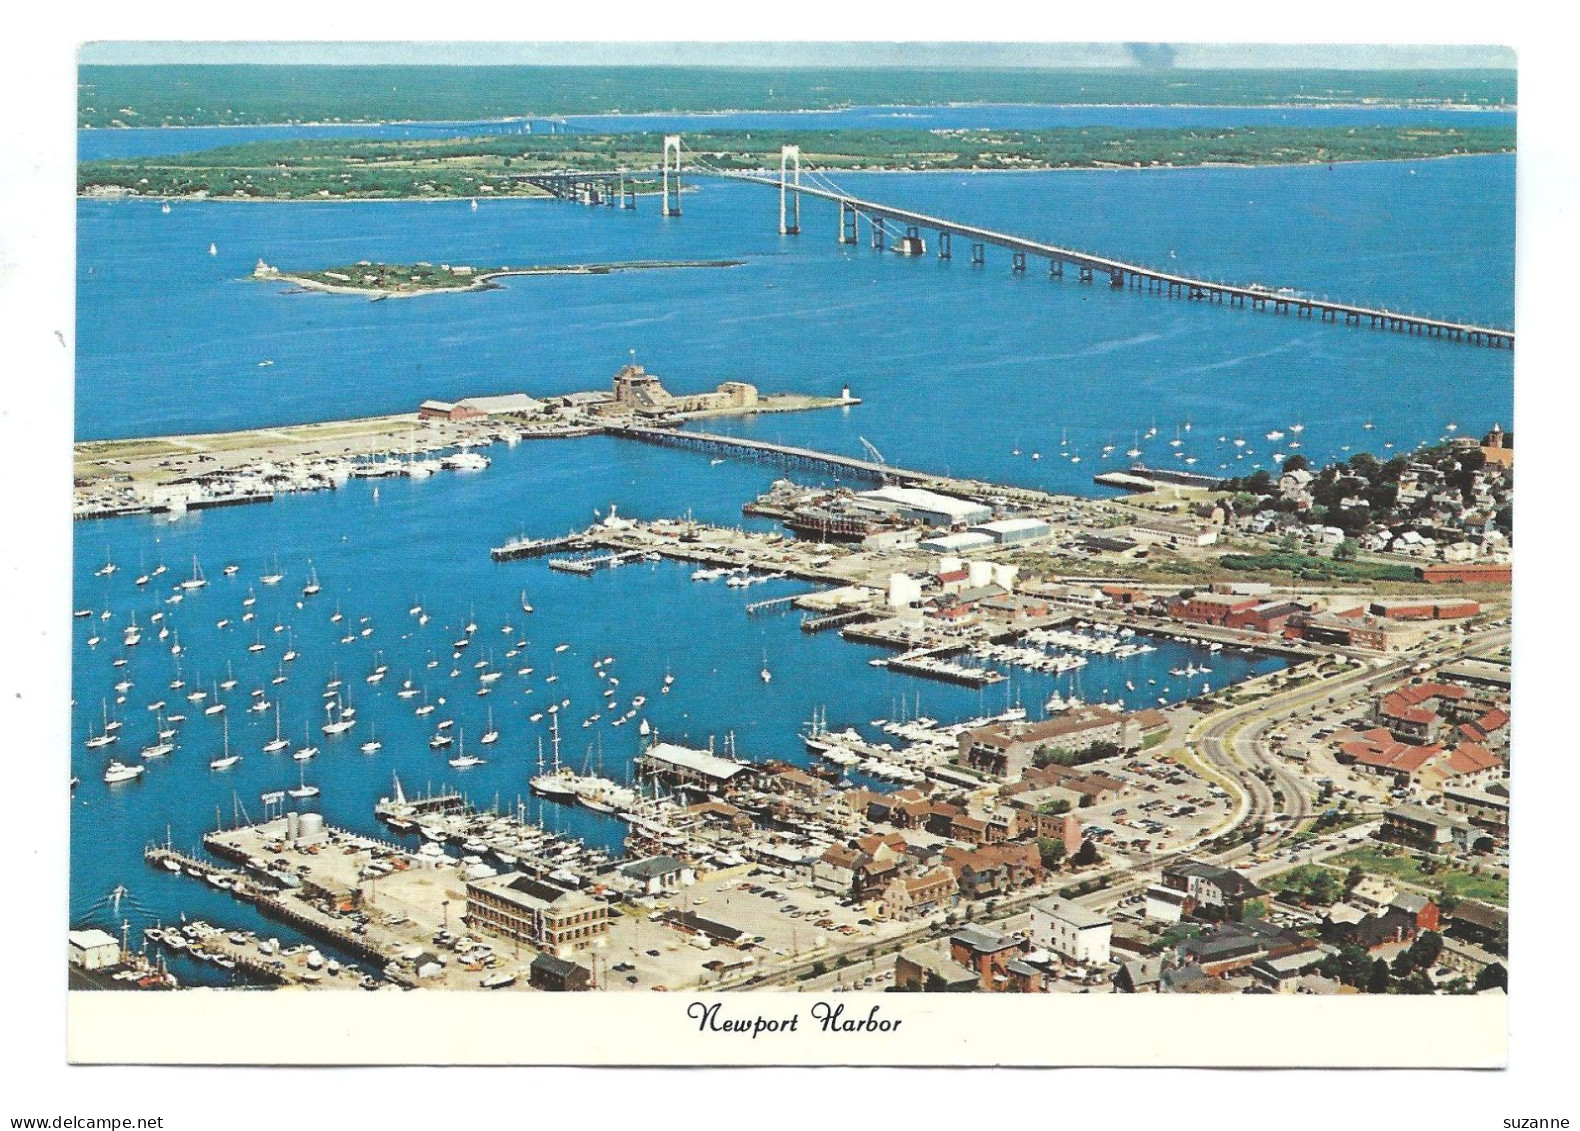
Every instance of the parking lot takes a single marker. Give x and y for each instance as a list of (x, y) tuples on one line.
[(783, 919)]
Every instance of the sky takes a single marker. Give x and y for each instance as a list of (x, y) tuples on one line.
[(1344, 56)]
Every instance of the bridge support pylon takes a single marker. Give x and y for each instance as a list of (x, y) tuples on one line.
[(671, 175), (877, 233), (847, 223), (789, 190), (944, 250), (1017, 262), (978, 255)]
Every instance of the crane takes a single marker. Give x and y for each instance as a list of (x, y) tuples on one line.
[(876, 456)]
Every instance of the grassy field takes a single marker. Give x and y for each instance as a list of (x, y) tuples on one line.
[(1457, 881), (493, 166)]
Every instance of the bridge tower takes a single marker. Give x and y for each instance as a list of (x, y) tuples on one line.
[(790, 190), (671, 187)]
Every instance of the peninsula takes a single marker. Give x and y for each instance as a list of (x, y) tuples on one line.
[(484, 168)]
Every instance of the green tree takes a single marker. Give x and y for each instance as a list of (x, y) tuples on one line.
[(1254, 909), (1493, 976), (1051, 852), (1425, 949), (1379, 979), (1085, 856), (1346, 551)]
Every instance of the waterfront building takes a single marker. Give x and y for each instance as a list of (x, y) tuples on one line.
[(93, 949), (1007, 749), (683, 766), (655, 874), (930, 508), (539, 913), (1211, 608)]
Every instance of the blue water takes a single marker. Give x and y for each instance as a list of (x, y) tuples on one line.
[(957, 367), (95, 145)]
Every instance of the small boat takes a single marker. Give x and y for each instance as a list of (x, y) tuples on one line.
[(118, 772), (312, 585), (213, 249)]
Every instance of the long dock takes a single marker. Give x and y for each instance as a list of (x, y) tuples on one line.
[(518, 548), (764, 451), (1121, 274)]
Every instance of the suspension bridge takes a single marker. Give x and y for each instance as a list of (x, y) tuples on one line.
[(903, 228)]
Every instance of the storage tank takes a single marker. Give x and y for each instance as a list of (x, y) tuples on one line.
[(310, 826), (292, 829)]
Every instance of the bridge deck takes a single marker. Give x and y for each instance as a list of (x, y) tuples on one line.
[(1120, 270)]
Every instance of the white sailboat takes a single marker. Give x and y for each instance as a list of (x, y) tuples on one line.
[(490, 736), (278, 743), (462, 760), (306, 750), (312, 585), (226, 759), (197, 580), (342, 721), (303, 790)]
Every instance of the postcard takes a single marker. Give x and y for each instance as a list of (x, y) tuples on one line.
[(726, 563)]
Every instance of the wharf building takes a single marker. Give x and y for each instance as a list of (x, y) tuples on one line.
[(552, 919), (475, 408), (696, 770)]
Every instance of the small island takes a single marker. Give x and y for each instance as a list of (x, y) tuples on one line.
[(405, 280)]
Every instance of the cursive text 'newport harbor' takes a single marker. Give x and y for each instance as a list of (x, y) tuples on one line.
[(828, 1018)]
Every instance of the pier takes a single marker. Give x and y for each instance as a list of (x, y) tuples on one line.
[(586, 567), (519, 548), (771, 605), (764, 451), (1119, 274)]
